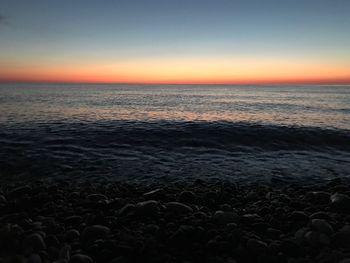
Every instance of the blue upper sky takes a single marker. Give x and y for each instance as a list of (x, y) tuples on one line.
[(59, 31)]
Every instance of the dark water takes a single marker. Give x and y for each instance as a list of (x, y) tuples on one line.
[(174, 132)]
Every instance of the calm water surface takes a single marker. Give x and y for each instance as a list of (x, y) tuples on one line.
[(174, 132), (317, 106)]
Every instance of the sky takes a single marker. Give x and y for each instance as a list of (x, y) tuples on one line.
[(182, 41)]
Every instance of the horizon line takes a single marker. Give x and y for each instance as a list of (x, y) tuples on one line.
[(310, 82)]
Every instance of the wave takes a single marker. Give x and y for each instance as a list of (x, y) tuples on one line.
[(172, 150), (171, 135)]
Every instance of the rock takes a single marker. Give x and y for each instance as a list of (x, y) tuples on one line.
[(35, 241), (226, 207), (73, 220), (147, 208), (20, 191), (2, 199), (320, 215), (291, 248), (187, 197), (299, 216), (256, 246), (251, 218), (92, 233), (340, 202), (34, 258), (96, 197), (71, 235), (184, 234), (224, 218), (177, 207), (65, 252), (318, 197), (155, 194), (51, 240), (80, 258), (322, 226), (342, 237), (127, 210), (317, 239)]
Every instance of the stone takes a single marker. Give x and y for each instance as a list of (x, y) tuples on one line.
[(155, 194), (317, 239), (187, 197), (34, 258), (71, 235), (322, 226), (342, 237), (147, 208), (65, 252), (126, 210), (20, 191), (35, 241), (291, 248), (177, 207), (80, 258), (224, 218), (73, 220), (3, 199), (96, 197), (319, 197), (340, 202), (320, 215), (92, 233), (299, 216), (256, 246)]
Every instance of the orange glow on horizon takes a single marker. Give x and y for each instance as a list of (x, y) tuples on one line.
[(182, 71)]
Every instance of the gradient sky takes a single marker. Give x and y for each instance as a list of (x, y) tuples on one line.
[(182, 41)]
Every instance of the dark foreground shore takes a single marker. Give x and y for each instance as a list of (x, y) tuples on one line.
[(188, 222)]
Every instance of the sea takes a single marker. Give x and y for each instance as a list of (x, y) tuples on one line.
[(173, 133)]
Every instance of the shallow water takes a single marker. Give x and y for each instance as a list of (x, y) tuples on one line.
[(174, 132)]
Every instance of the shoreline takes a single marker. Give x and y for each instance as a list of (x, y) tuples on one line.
[(197, 221)]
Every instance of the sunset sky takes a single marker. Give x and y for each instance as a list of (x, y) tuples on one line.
[(182, 41)]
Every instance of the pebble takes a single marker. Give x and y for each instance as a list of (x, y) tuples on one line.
[(80, 258), (317, 239), (92, 233), (256, 246), (224, 218), (299, 216), (187, 197), (177, 207), (322, 226), (96, 197), (19, 191), (155, 194), (147, 208), (342, 237), (71, 235), (340, 202), (319, 197), (35, 241)]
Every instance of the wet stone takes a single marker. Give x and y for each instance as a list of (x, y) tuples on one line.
[(79, 258), (340, 202), (35, 241), (187, 197), (177, 207), (92, 233), (322, 226), (222, 217), (147, 208), (256, 246)]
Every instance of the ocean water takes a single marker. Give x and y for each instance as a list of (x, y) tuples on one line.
[(174, 132)]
